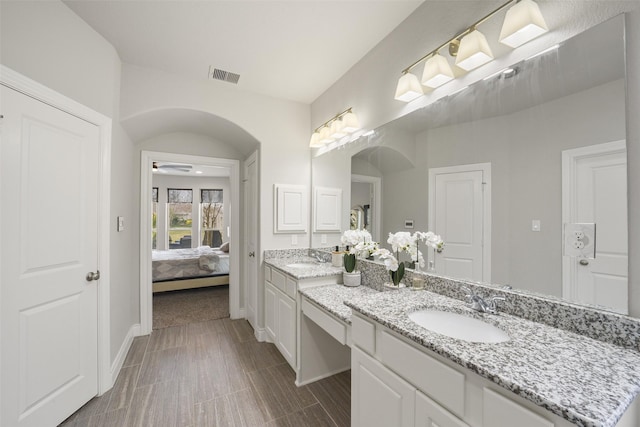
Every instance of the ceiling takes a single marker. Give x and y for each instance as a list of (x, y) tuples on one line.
[(292, 50)]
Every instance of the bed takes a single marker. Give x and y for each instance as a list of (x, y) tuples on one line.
[(189, 268)]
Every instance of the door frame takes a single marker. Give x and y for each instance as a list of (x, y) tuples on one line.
[(485, 168), (252, 204), (33, 89), (146, 288), (376, 183), (569, 160)]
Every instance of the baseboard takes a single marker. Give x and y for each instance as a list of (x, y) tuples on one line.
[(134, 331), (242, 314), (260, 334), (320, 377)]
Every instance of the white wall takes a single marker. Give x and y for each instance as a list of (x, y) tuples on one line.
[(50, 44), (280, 126), (195, 183)]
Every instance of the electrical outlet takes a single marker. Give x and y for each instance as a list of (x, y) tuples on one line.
[(580, 240), (120, 226), (323, 239), (294, 239)]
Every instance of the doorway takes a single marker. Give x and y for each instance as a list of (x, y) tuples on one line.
[(367, 203), (594, 190), (460, 212), (60, 151), (146, 227)]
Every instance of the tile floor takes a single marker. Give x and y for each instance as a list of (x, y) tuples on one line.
[(213, 373)]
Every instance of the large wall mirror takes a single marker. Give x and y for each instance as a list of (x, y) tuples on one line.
[(513, 172)]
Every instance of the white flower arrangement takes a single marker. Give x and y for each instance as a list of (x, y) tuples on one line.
[(431, 239), (353, 237), (360, 243)]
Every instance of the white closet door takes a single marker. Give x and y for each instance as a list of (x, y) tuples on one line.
[(49, 220)]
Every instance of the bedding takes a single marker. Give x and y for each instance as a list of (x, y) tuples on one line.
[(178, 264)]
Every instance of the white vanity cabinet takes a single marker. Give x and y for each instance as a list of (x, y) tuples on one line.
[(396, 382), (280, 312), (378, 396)]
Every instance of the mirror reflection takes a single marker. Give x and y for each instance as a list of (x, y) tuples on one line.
[(522, 174)]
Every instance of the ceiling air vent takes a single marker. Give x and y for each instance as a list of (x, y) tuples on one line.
[(225, 76)]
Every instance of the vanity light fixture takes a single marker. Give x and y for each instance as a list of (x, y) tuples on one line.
[(523, 22), (436, 71), (474, 51), (335, 129), (408, 88)]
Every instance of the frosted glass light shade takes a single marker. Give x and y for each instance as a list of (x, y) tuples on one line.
[(474, 51), (522, 23), (337, 129), (325, 135), (350, 123), (408, 88), (315, 141), (436, 71)]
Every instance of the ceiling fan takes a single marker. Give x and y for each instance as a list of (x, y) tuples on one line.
[(171, 167)]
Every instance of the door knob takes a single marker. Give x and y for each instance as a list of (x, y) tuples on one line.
[(93, 276), (584, 262), (252, 254)]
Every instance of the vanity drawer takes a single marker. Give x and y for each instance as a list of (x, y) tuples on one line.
[(363, 334), (291, 287), (331, 325), (278, 280), (499, 411), (441, 382), (267, 274)]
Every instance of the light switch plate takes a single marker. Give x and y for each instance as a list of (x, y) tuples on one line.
[(120, 223), (323, 239), (580, 240), (294, 239), (535, 225)]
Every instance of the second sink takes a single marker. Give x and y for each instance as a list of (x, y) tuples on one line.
[(458, 326), (302, 265)]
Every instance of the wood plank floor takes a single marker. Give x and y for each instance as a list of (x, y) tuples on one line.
[(213, 373)]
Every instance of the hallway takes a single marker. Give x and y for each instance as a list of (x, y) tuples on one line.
[(213, 373)]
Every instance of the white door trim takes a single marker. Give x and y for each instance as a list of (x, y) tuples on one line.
[(33, 89), (376, 182), (146, 290), (486, 201), (569, 160)]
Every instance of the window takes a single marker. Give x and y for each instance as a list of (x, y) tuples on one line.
[(179, 217), (212, 214), (154, 218)]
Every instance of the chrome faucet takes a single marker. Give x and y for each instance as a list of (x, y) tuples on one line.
[(476, 302), (319, 257)]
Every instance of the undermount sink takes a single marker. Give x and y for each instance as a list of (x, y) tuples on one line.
[(302, 265), (458, 326)]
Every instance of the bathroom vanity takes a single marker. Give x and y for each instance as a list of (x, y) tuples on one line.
[(404, 374)]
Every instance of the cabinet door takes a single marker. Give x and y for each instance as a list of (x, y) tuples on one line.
[(430, 414), (286, 332), (270, 305), (379, 398)]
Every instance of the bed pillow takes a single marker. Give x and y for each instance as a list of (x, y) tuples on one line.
[(224, 247)]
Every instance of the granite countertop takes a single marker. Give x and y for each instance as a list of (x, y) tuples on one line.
[(332, 298), (319, 269), (587, 382)]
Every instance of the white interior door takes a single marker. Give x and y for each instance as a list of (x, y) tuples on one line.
[(49, 228), (251, 229), (458, 213), (596, 192)]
